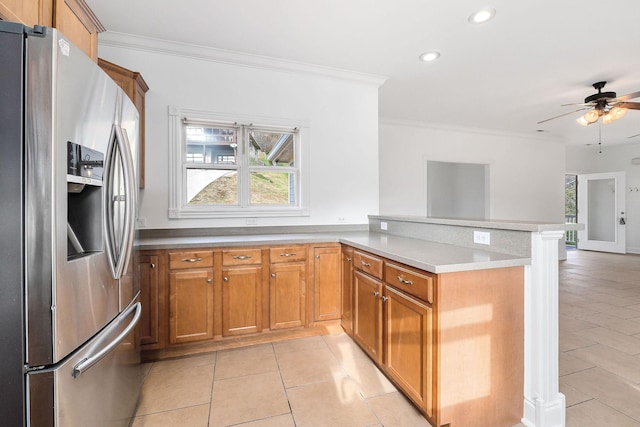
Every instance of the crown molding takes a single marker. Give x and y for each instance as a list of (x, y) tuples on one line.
[(466, 129), (204, 53)]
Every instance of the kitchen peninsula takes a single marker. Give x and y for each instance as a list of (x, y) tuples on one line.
[(467, 330)]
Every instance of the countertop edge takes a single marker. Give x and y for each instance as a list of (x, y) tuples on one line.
[(354, 239)]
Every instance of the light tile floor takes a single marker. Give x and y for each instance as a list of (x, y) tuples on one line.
[(328, 381)]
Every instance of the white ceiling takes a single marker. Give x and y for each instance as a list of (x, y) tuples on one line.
[(506, 75)]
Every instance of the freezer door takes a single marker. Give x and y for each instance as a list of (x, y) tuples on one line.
[(99, 385)]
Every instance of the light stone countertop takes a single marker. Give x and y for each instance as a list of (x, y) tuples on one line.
[(422, 254)]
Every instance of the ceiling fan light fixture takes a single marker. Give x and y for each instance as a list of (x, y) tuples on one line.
[(589, 117), (429, 56), (614, 114), (581, 120), (481, 16)]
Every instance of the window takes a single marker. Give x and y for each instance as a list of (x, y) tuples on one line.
[(223, 168)]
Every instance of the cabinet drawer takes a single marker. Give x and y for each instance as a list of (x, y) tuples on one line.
[(191, 259), (418, 284), (288, 254), (368, 263), (241, 256)]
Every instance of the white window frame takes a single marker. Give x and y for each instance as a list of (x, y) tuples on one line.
[(178, 205)]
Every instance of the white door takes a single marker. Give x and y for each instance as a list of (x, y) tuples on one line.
[(601, 208)]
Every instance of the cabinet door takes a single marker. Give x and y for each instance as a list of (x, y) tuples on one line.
[(29, 12), (346, 310), (326, 278), (241, 300), (190, 306), (148, 267), (367, 315), (408, 334), (287, 291)]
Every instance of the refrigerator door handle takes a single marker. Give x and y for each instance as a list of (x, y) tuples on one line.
[(88, 362), (119, 240)]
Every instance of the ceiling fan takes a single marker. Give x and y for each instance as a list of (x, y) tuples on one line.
[(602, 104)]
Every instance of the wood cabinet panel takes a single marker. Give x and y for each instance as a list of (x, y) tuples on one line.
[(190, 306), (326, 283), (410, 280), (408, 346), (241, 300), (149, 276), (346, 310), (368, 263), (287, 290), (29, 12), (367, 314), (190, 260), (248, 256), (287, 254)]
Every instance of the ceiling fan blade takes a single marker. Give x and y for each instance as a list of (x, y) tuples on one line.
[(577, 103), (629, 105), (562, 115), (627, 96)]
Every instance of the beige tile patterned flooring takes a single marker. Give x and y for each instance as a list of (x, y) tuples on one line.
[(328, 381)]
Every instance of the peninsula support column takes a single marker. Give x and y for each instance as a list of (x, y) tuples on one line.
[(544, 405)]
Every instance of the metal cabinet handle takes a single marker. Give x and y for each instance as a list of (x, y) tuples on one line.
[(226, 279), (241, 256), (385, 298), (209, 280), (192, 260), (273, 274), (366, 264), (317, 256), (288, 255), (152, 265), (348, 259), (403, 281), (376, 293)]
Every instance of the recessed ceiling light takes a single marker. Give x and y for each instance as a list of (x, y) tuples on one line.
[(483, 15), (429, 56)]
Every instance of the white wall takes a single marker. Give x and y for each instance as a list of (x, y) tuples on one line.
[(613, 159), (341, 110), (526, 174)]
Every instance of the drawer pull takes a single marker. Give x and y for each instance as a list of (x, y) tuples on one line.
[(241, 256), (376, 293), (226, 279), (152, 265), (404, 282), (273, 274), (385, 298), (192, 260), (288, 255), (366, 264), (209, 281), (348, 259)]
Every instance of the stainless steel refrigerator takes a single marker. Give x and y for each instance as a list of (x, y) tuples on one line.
[(68, 311)]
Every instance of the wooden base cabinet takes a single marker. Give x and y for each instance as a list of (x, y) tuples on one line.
[(287, 287), (367, 314), (408, 346), (326, 283), (346, 305), (241, 300), (149, 277), (452, 342), (190, 306)]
